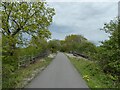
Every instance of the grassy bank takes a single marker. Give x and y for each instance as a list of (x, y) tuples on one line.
[(93, 75), (23, 76)]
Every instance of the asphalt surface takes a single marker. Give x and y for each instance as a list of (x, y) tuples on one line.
[(59, 74)]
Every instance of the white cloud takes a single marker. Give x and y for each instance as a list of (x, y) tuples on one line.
[(84, 18)]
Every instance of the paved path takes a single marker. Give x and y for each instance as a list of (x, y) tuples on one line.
[(59, 74)]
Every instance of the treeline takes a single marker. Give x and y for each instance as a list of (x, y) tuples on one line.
[(24, 36), (73, 44), (107, 55)]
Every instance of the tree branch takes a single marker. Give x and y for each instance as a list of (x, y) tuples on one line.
[(8, 16), (22, 27), (16, 32)]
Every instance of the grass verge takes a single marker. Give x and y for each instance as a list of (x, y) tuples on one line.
[(23, 76), (93, 75)]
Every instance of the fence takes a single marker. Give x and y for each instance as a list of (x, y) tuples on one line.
[(79, 54), (26, 60)]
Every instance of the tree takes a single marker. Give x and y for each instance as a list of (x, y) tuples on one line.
[(109, 51), (72, 42), (20, 18), (39, 45), (54, 45), (78, 44), (23, 17)]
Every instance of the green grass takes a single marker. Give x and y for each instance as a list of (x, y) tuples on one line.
[(20, 78), (92, 74)]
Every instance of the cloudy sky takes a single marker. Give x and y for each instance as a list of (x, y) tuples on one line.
[(85, 18)]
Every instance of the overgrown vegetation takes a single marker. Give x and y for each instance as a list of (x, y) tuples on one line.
[(24, 36), (79, 44), (94, 75), (22, 76), (76, 43), (108, 54), (54, 45), (24, 39)]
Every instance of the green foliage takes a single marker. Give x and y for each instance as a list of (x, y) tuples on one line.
[(23, 17), (63, 46), (54, 45), (93, 74), (33, 19), (79, 44), (38, 45), (19, 78), (108, 54), (71, 42), (19, 19), (88, 49)]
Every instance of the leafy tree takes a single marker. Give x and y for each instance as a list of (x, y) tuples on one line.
[(22, 17), (63, 46), (18, 18), (54, 45), (73, 41), (109, 51), (78, 43), (88, 49), (40, 45)]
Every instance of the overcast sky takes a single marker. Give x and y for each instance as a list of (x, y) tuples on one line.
[(85, 18)]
